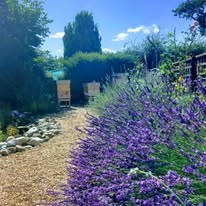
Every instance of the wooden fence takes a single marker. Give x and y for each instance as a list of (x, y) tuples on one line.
[(185, 69)]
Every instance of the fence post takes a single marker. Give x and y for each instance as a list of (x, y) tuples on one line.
[(193, 73)]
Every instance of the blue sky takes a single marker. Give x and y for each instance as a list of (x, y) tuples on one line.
[(119, 21)]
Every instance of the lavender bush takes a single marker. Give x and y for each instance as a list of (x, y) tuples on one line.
[(109, 94), (145, 149)]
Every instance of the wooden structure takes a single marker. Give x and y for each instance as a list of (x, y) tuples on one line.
[(185, 69), (91, 89), (119, 77), (63, 93)]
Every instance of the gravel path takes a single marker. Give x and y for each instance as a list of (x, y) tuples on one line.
[(26, 176)]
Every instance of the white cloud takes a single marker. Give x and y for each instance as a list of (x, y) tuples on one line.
[(155, 28), (57, 35), (107, 50), (145, 29), (120, 37), (135, 30)]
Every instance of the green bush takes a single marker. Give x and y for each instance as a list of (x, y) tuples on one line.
[(2, 135), (11, 130), (87, 67), (22, 78)]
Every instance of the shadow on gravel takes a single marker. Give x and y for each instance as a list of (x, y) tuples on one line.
[(67, 111)]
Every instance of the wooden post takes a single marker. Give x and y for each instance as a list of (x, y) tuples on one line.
[(193, 73)]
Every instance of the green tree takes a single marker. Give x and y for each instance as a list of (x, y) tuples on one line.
[(82, 35), (149, 51), (23, 26), (193, 9), (47, 62)]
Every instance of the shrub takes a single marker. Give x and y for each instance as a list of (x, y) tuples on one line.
[(145, 149), (2, 135), (31, 92), (2, 138), (87, 67), (11, 130)]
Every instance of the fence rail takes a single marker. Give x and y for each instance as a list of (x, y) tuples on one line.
[(184, 69)]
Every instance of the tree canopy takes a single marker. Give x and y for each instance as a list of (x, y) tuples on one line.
[(23, 26), (82, 35), (148, 51), (193, 9)]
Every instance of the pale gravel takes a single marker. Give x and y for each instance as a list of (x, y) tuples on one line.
[(25, 177)]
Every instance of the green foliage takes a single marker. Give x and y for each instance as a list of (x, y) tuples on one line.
[(11, 130), (81, 35), (111, 90), (24, 25), (195, 10), (2, 135), (193, 43), (48, 62), (171, 54), (179, 51), (105, 98), (161, 51), (171, 159), (88, 67), (44, 97), (149, 51)]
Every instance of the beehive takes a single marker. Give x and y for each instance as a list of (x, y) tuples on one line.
[(91, 89), (63, 93)]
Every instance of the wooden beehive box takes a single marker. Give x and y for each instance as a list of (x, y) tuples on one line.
[(91, 89), (63, 92)]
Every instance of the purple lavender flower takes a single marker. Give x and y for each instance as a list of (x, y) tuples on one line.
[(190, 169), (128, 135)]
